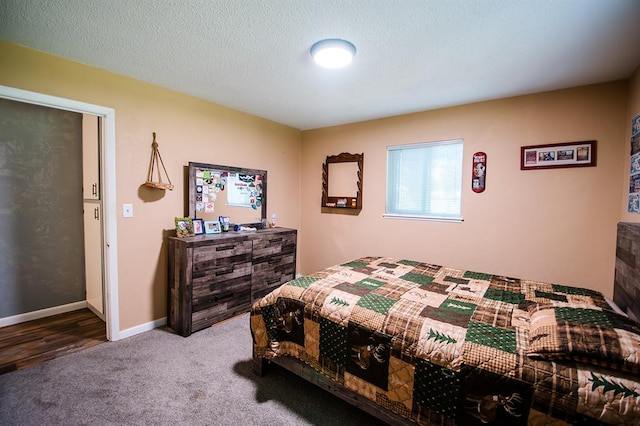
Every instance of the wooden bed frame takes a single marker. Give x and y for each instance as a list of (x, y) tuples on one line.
[(626, 288), (626, 295), (299, 368)]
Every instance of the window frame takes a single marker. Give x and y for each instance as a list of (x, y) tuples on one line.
[(456, 218)]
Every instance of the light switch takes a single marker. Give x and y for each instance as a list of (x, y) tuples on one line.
[(127, 210)]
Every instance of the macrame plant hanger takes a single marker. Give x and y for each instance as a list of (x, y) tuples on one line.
[(156, 161)]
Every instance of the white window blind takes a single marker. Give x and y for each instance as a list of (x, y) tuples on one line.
[(424, 180)]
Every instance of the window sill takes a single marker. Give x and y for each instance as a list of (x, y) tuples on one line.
[(428, 218)]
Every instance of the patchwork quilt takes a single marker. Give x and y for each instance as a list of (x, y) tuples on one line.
[(438, 345)]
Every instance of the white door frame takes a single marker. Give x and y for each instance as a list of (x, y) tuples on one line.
[(108, 163)]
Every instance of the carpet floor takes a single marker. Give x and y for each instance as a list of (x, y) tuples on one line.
[(160, 378)]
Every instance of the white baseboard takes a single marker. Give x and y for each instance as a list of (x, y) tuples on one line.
[(143, 327), (42, 313)]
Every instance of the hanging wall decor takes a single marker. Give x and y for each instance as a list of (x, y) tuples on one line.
[(156, 161), (556, 155), (634, 169), (478, 181), (345, 191)]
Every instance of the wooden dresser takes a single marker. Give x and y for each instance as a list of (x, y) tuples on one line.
[(218, 276)]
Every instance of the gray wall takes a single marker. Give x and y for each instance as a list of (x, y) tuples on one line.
[(41, 220)]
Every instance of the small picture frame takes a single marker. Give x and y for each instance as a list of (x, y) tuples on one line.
[(557, 155), (184, 227), (198, 226), (212, 227)]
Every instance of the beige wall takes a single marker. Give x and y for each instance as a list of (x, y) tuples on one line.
[(632, 110), (552, 225), (188, 129)]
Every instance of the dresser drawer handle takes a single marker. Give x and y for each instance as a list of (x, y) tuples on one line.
[(222, 248), (225, 271), (272, 261), (273, 281)]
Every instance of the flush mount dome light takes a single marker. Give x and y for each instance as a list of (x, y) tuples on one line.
[(333, 53)]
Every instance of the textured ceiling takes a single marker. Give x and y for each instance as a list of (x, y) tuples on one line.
[(412, 55)]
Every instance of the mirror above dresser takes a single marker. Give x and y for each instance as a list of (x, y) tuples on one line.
[(236, 192)]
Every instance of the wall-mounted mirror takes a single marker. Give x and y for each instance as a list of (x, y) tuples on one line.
[(239, 193), (342, 181)]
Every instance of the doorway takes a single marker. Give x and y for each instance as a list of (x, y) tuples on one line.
[(107, 171)]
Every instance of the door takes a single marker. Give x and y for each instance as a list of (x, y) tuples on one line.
[(90, 157), (93, 257), (93, 231)]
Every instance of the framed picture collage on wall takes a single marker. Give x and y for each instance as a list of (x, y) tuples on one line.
[(558, 155)]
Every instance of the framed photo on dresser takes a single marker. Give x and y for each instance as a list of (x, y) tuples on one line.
[(212, 227), (184, 227), (198, 226)]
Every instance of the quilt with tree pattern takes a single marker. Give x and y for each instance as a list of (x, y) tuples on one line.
[(439, 345)]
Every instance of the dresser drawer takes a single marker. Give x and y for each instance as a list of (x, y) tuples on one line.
[(218, 259), (206, 280), (211, 280), (274, 244), (216, 302), (271, 272)]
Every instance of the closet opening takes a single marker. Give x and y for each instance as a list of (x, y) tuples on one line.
[(47, 242)]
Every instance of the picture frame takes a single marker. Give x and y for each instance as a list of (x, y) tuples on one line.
[(212, 227), (184, 227), (558, 155), (198, 226)]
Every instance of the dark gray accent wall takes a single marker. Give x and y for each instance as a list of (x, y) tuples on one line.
[(41, 220)]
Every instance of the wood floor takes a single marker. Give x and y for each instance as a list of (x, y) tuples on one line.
[(34, 342)]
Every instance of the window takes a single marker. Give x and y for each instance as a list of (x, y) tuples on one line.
[(424, 181)]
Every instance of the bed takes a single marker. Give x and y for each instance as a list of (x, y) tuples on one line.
[(412, 342)]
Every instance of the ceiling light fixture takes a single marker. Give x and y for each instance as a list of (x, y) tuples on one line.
[(333, 53)]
